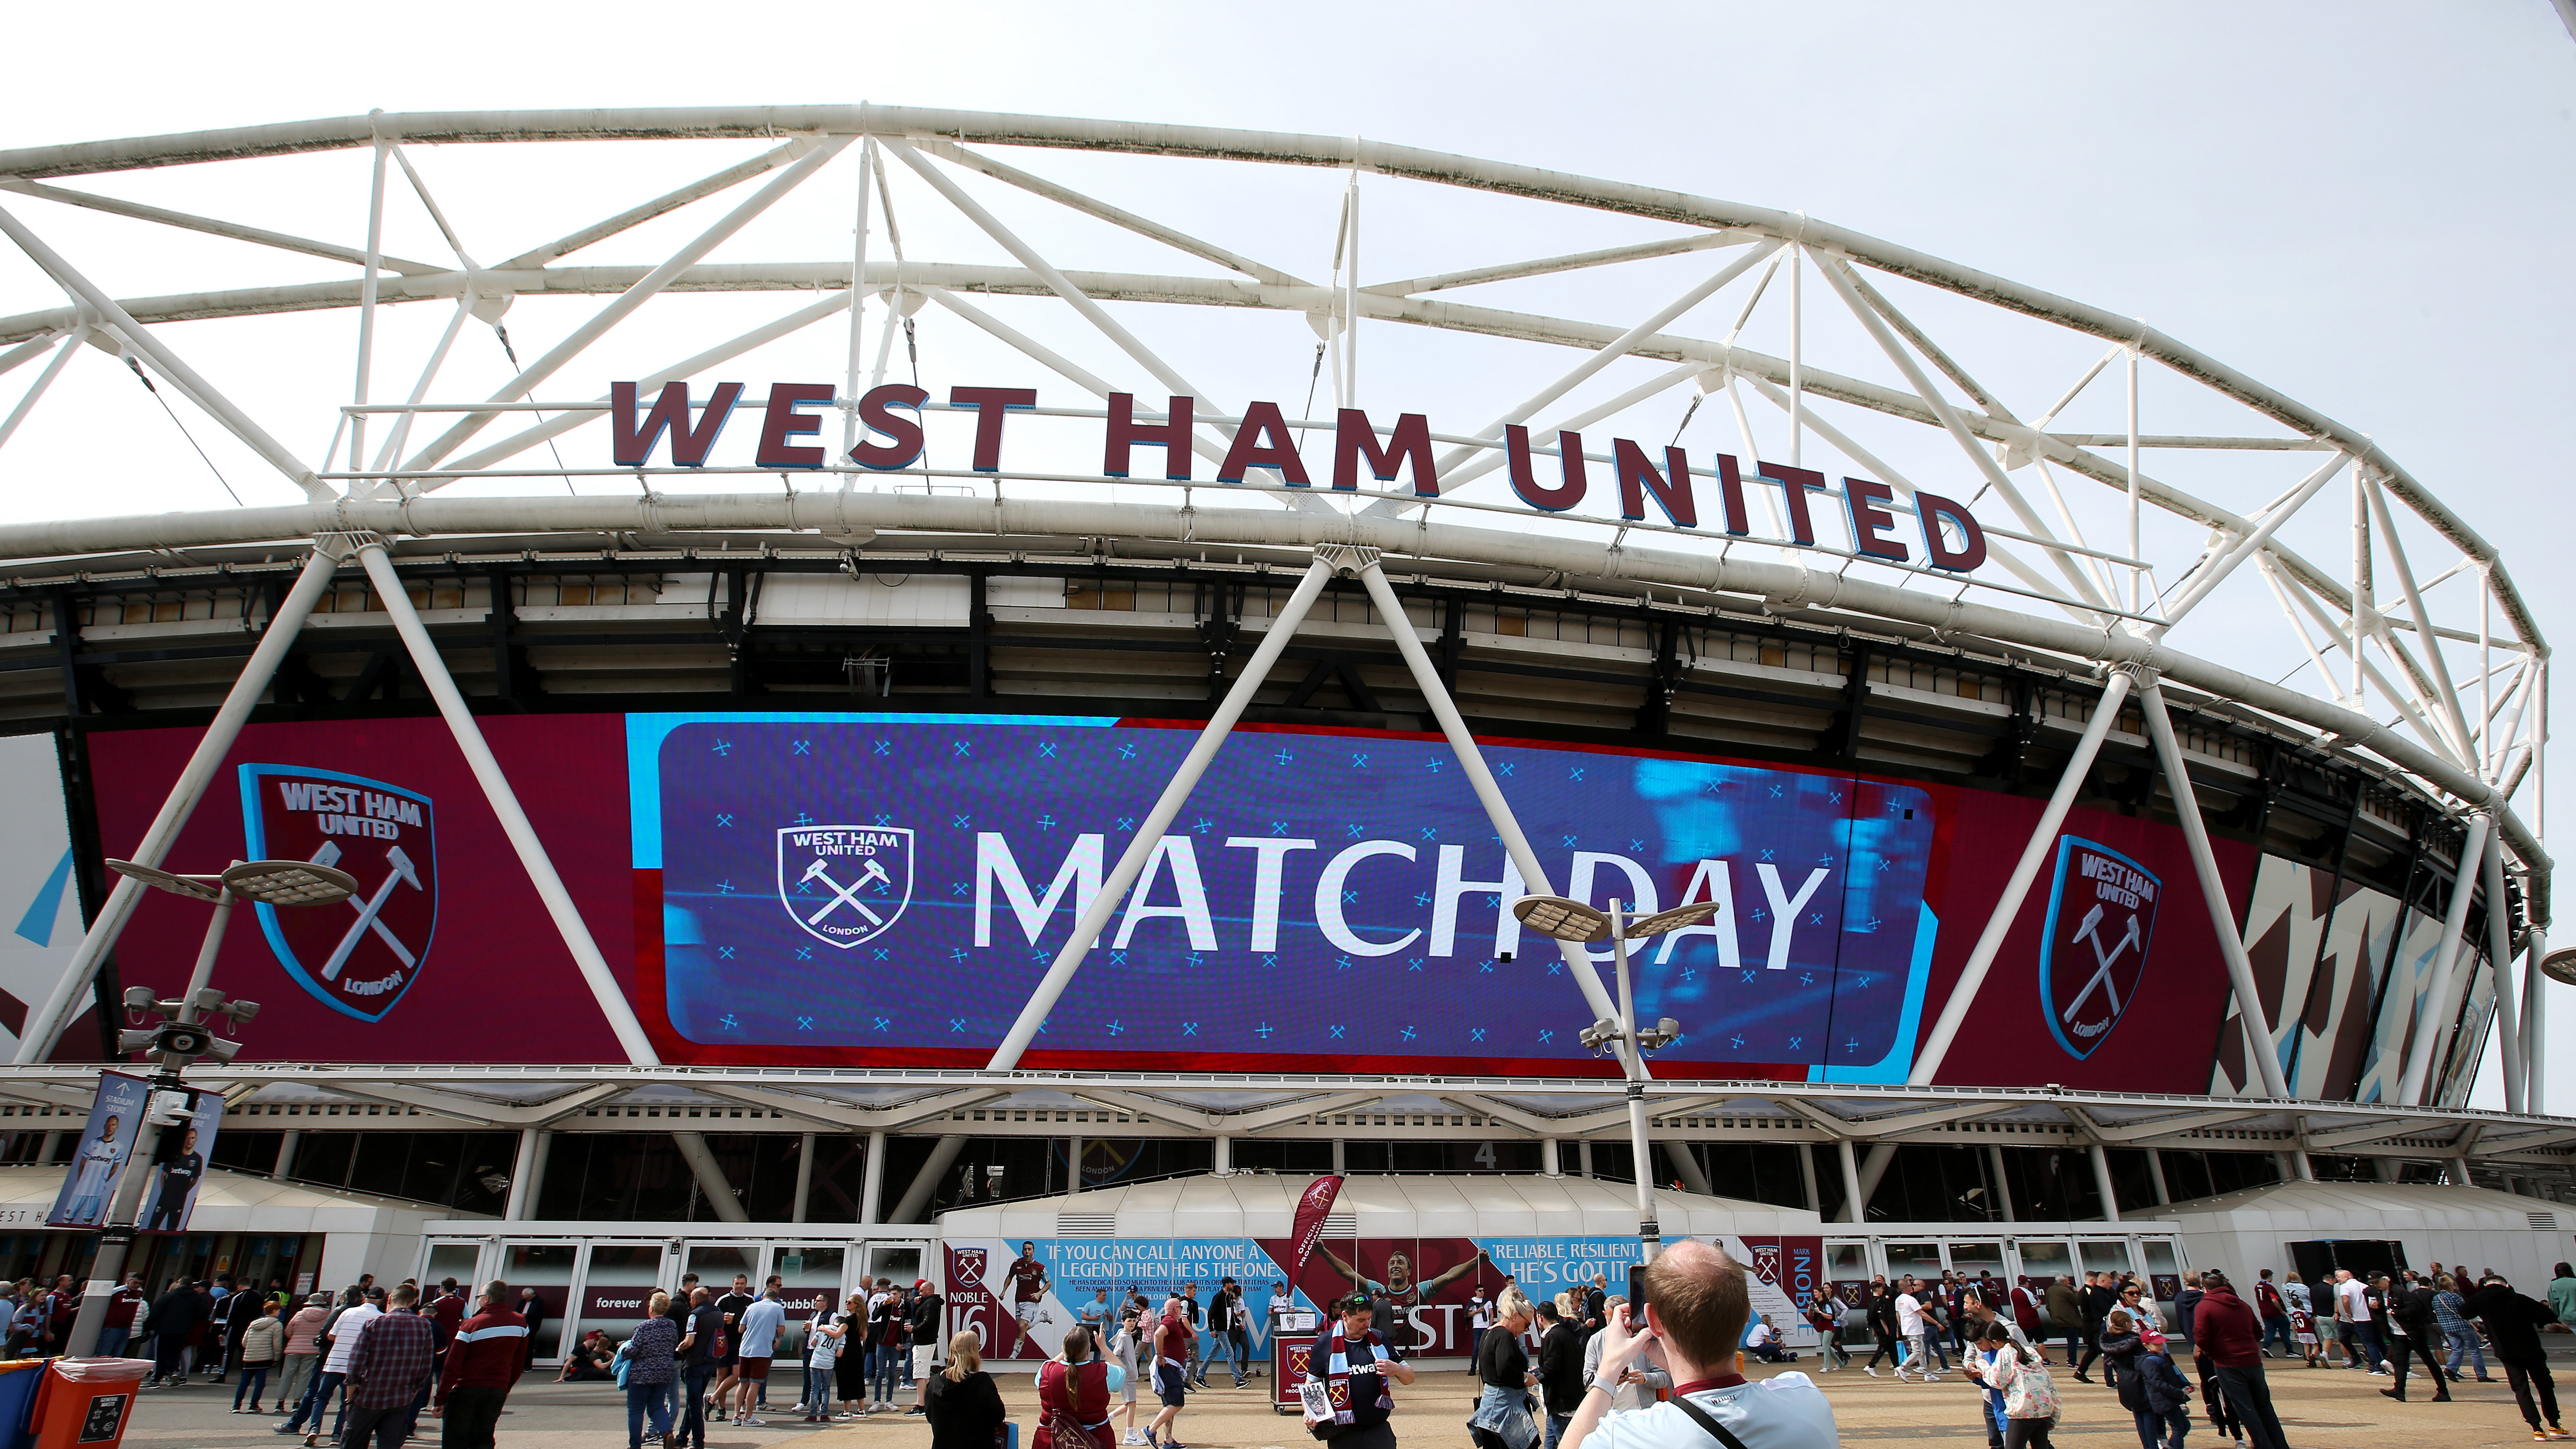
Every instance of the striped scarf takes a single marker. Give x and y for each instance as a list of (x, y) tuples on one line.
[(1337, 1374)]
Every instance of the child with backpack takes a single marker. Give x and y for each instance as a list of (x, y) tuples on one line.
[(2168, 1393)]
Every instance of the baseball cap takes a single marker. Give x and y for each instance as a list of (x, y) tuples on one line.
[(921, 1284)]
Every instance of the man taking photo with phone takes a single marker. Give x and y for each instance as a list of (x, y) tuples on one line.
[(1696, 1307)]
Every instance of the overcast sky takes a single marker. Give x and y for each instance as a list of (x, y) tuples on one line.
[(2364, 206)]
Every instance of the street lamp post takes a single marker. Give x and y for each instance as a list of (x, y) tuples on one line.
[(186, 1035), (1572, 920)]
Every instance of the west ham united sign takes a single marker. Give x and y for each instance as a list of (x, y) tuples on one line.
[(361, 959), (2101, 915), (844, 885)]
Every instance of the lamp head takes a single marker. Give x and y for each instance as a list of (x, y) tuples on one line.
[(1566, 920)]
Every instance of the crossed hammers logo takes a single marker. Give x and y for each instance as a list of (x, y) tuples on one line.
[(404, 873), (2088, 933), (872, 873)]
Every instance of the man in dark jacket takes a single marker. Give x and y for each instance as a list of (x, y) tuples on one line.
[(480, 1366), (2097, 1300), (922, 1318), (2410, 1311), (2227, 1332), (1560, 1370), (240, 1309), (176, 1311), (2513, 1324)]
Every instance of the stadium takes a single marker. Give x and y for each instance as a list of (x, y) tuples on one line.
[(1000, 792)]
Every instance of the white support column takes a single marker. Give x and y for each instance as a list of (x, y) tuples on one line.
[(1807, 1178), (804, 1175), (1339, 1155), (2102, 1182), (523, 1178), (710, 1174), (2260, 1052), (872, 1181), (2156, 1175), (1583, 1156), (2043, 840), (2535, 1032), (604, 990), (181, 802), (1551, 1161), (943, 1153), (1224, 1161), (1686, 1167), (2003, 1185), (1176, 793), (1480, 778), (2438, 1008), (284, 1167), (1873, 1168), (1855, 1204), (2508, 1020)]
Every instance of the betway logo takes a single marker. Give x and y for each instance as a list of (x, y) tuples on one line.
[(1172, 873)]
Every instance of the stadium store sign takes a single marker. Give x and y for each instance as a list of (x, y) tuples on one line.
[(892, 439)]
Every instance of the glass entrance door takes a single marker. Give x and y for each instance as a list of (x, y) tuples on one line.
[(717, 1264), (548, 1268), (457, 1258), (617, 1282)]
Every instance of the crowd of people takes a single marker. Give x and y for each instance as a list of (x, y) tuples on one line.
[(2369, 1323)]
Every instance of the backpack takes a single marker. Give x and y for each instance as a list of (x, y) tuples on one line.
[(2033, 1394)]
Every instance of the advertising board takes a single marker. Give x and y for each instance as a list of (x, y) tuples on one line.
[(1022, 1296), (861, 889)]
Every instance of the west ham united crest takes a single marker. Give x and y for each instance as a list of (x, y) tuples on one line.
[(362, 958), (844, 884), (2101, 915)]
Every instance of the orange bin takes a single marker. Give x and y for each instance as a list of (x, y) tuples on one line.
[(86, 1402)]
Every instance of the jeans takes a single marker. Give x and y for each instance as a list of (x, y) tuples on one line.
[(2529, 1382), (2177, 1423), (887, 1367), (2150, 1428), (2465, 1340), (2279, 1329), (2074, 1346), (818, 1389), (254, 1381), (2251, 1397), (317, 1397), (1240, 1351), (644, 1399), (111, 1342), (169, 1359), (1556, 1425), (2361, 1347), (693, 1405)]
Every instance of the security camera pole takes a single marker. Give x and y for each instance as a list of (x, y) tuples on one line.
[(1572, 920), (183, 1038)]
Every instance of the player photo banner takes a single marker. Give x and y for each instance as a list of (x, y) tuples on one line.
[(179, 1175), (115, 1116)]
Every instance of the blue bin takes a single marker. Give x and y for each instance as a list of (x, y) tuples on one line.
[(18, 1380)]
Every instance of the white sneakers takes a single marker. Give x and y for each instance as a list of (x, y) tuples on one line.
[(1134, 1436)]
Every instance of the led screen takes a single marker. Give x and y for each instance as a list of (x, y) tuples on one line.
[(886, 890)]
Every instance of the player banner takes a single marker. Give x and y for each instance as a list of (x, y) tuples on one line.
[(178, 1176), (115, 1117)]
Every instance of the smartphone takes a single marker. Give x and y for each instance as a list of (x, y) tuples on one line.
[(1636, 1297)]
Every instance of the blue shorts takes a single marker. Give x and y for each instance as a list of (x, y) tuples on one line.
[(1170, 1384)]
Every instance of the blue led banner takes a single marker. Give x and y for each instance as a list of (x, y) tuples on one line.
[(901, 882)]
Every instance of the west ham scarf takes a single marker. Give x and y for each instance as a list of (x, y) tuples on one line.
[(1337, 1374)]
